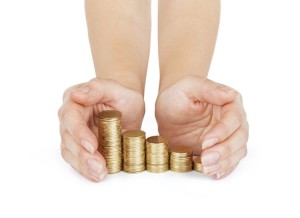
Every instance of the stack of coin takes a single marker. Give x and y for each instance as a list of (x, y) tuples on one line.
[(110, 139), (197, 164), (157, 155), (134, 151), (181, 159)]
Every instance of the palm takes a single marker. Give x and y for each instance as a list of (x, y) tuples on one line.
[(183, 118), (130, 103)]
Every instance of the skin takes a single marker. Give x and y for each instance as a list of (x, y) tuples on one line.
[(119, 33), (78, 122), (205, 115)]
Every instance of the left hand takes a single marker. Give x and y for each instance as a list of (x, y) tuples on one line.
[(208, 116)]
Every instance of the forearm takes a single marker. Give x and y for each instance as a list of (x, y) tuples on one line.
[(187, 36), (119, 33)]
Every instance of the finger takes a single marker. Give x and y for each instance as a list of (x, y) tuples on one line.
[(232, 118), (87, 165), (225, 149), (210, 92), (67, 93), (97, 91), (95, 162), (69, 158), (77, 150), (224, 174), (226, 164), (72, 119)]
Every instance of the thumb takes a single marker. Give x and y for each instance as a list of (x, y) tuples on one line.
[(211, 92), (96, 91)]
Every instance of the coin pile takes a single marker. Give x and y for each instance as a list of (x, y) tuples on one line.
[(134, 151), (197, 164), (157, 155), (181, 159), (110, 139)]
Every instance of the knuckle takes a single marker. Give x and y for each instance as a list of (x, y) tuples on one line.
[(62, 131), (225, 150), (63, 152), (245, 133), (228, 164), (69, 90), (59, 112), (78, 132), (237, 95), (63, 111), (246, 125), (67, 93), (81, 156), (224, 128), (69, 113), (245, 152), (240, 116), (93, 82)]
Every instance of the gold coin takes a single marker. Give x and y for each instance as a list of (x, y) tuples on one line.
[(197, 164), (159, 168), (110, 140), (134, 151), (157, 139), (157, 156), (181, 150), (181, 159), (134, 168), (110, 114)]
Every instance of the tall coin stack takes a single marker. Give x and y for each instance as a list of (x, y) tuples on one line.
[(157, 156), (134, 151), (110, 139), (197, 164), (181, 159)]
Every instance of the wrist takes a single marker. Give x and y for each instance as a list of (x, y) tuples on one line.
[(167, 80), (127, 79)]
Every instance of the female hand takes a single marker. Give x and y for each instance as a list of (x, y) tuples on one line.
[(78, 122), (208, 116)]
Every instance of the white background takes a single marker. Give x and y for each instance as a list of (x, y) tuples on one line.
[(44, 49)]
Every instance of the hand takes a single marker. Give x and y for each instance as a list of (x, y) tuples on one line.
[(196, 111), (78, 122)]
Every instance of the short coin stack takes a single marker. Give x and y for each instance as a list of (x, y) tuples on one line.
[(197, 164), (181, 159), (110, 139), (157, 155), (134, 151)]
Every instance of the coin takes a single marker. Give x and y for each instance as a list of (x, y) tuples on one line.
[(110, 139), (181, 159), (157, 156), (197, 164), (134, 151)]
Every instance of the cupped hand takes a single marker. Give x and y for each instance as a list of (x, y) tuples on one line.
[(78, 122), (208, 116)]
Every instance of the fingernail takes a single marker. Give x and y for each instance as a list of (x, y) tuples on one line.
[(219, 175), (88, 146), (209, 142), (102, 176), (227, 89), (210, 169), (94, 175), (82, 90), (210, 158), (95, 166)]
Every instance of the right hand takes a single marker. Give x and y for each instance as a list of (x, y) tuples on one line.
[(78, 122)]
